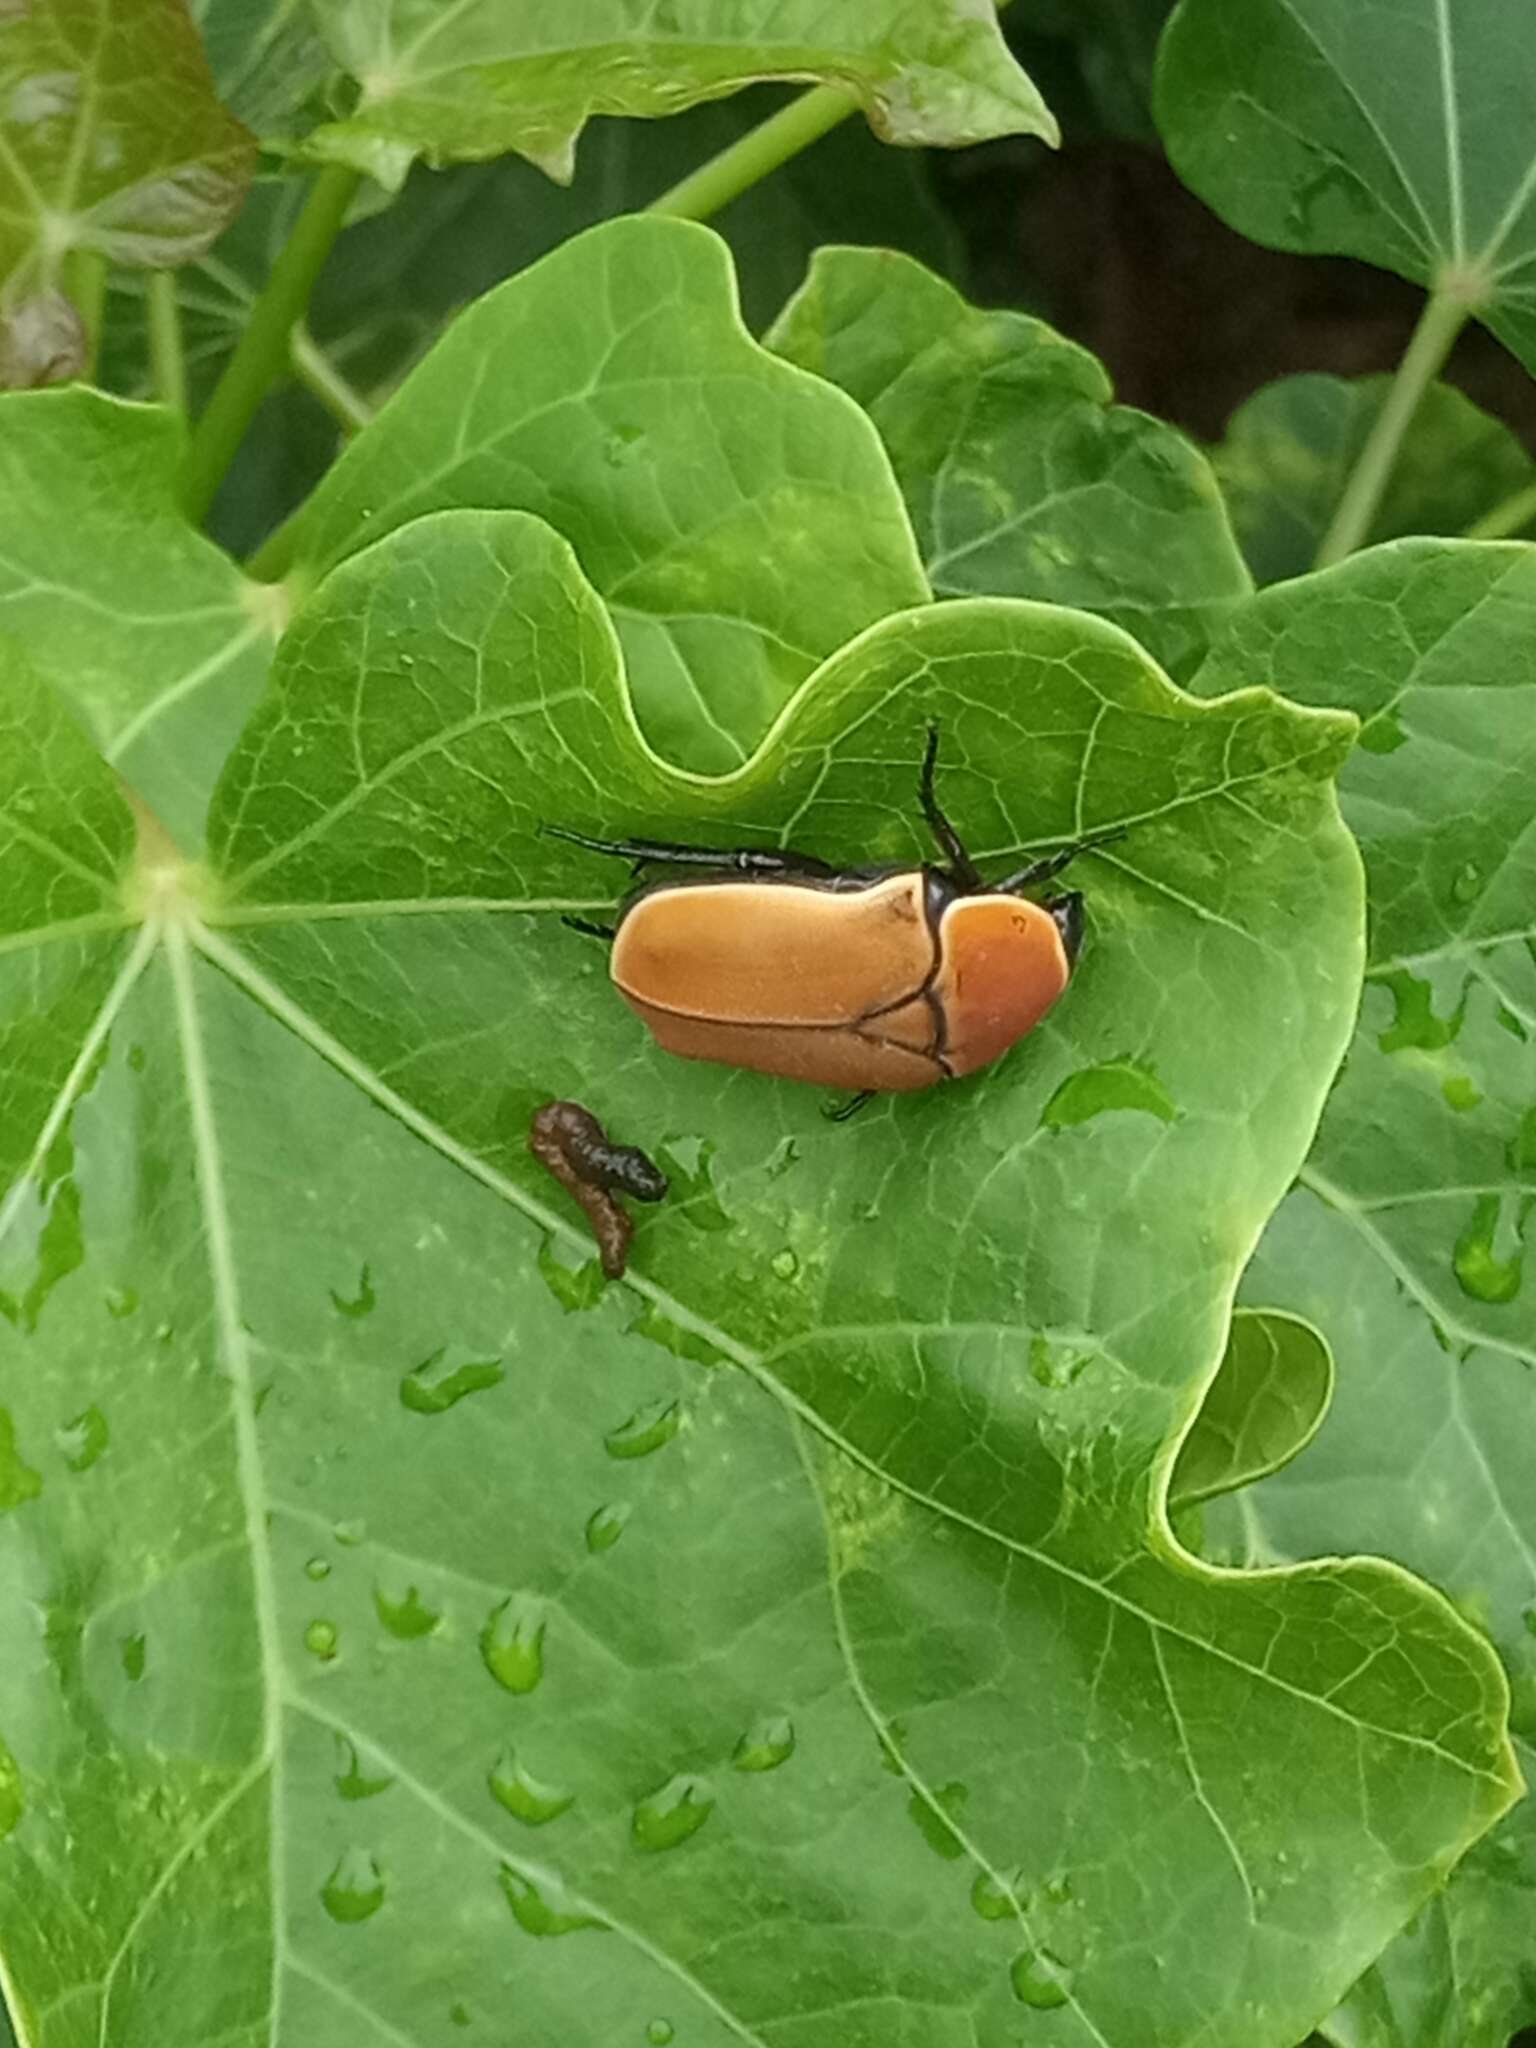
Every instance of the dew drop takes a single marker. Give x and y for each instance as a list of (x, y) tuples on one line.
[(512, 1644), (134, 1656), (525, 1797), (406, 1615), (765, 1745), (355, 1888), (1480, 1270), (18, 1482), (351, 1780), (82, 1441), (645, 1431), (360, 1304), (997, 1898), (121, 1302), (1058, 1890), (931, 1815), (659, 2033), (575, 1288), (317, 1568), (320, 1639), (1039, 1981), (673, 1337), (605, 1525), (686, 1163), (1467, 883), (432, 1387), (1118, 1084), (1461, 1092), (672, 1813), (350, 1533), (1383, 734), (784, 1265), (460, 2014), (545, 1912)]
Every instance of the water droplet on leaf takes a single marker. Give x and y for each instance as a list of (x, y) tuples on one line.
[(659, 2033), (1038, 1980), (432, 1387), (1383, 734), (512, 1644), (645, 1431), (575, 1288), (997, 1898), (546, 1912), (928, 1815), (523, 1795), (121, 1302), (320, 1639), (405, 1614), (672, 1813), (1482, 1270), (18, 1482), (1467, 883), (355, 1888), (351, 1780), (766, 1744), (350, 1533), (360, 1304), (784, 1265), (1461, 1092), (82, 1441), (605, 1525)]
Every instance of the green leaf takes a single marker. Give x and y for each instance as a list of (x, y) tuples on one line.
[(1290, 450), (488, 76), (1022, 479), (1404, 1242), (739, 518), (157, 640), (114, 143), (912, 1507), (267, 59), (1400, 134), (1264, 1405)]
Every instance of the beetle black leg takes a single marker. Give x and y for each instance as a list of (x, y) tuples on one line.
[(961, 864), (592, 931), (851, 1107), (739, 860), (1067, 915), (1042, 870)]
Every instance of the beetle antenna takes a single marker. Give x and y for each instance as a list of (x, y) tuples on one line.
[(1042, 870)]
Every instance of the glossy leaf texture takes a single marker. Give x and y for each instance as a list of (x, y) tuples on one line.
[(1290, 449), (1400, 134), (489, 76), (112, 141), (1021, 477), (785, 1646), (1406, 1241), (160, 644), (738, 517)]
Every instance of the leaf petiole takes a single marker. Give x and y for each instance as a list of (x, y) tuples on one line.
[(166, 355)]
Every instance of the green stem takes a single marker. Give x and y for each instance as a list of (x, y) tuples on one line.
[(761, 150), (1442, 320), (320, 377), (1511, 515), (166, 359), (263, 352), (85, 281)]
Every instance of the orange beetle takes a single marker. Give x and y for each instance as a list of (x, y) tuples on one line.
[(863, 978)]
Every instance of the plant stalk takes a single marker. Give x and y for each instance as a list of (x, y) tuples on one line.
[(1510, 516), (85, 280), (167, 360), (1442, 320), (754, 155), (322, 380), (264, 350)]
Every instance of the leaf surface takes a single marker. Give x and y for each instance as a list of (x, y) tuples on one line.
[(1406, 1241), (488, 76), (113, 141), (1401, 134), (156, 639), (739, 518), (788, 1646), (1021, 477), (1264, 1406), (1290, 449)]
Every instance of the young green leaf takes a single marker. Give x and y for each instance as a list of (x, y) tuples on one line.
[(738, 517), (1406, 1241), (1401, 134), (115, 144), (489, 76), (1021, 477), (1291, 448), (155, 638), (878, 1419)]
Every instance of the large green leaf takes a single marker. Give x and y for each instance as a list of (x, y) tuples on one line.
[(112, 141), (1405, 1243), (487, 76), (1290, 450), (1022, 479), (160, 644), (787, 1646), (1401, 134), (738, 516)]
